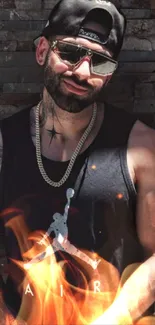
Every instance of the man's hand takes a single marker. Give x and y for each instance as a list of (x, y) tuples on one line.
[(135, 297)]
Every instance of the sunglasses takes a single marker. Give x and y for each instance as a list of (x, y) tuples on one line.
[(72, 55)]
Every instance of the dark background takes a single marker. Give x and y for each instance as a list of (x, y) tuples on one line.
[(132, 87)]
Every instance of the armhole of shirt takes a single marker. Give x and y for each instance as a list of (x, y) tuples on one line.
[(125, 171), (126, 122)]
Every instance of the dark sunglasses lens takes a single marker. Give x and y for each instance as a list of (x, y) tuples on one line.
[(102, 65), (70, 52)]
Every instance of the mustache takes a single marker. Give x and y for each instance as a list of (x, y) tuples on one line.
[(79, 82)]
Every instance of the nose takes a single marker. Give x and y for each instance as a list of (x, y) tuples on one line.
[(82, 69)]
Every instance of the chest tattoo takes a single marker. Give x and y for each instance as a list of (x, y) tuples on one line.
[(52, 133)]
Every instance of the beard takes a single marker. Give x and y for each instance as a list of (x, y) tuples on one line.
[(69, 102)]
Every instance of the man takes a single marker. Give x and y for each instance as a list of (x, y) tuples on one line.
[(72, 166)]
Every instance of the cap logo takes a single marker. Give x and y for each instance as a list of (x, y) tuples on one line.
[(104, 2), (89, 34)]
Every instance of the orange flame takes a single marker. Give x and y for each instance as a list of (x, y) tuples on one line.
[(48, 298)]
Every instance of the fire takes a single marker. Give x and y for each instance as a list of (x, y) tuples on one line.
[(48, 297)]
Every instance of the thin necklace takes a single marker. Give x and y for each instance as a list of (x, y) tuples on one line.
[(75, 153)]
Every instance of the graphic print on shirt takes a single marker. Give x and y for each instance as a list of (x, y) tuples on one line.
[(61, 242)]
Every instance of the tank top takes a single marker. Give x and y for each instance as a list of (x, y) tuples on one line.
[(94, 210)]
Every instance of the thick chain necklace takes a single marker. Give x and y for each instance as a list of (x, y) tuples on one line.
[(75, 153)]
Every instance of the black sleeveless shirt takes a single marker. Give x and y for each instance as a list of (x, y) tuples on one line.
[(99, 216)]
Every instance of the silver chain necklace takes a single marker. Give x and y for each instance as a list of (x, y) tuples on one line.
[(75, 153)]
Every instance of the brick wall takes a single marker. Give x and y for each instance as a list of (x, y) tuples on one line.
[(132, 87)]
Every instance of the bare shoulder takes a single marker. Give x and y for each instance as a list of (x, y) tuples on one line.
[(141, 148), (142, 138), (142, 134), (142, 156)]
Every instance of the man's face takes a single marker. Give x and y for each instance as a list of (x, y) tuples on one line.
[(73, 89)]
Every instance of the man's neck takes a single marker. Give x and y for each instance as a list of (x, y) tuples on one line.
[(61, 132), (69, 126)]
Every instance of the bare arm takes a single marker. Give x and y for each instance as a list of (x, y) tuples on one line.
[(144, 159)]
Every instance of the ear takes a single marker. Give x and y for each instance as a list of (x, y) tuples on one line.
[(42, 50)]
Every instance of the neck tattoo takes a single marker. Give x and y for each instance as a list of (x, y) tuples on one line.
[(52, 133)]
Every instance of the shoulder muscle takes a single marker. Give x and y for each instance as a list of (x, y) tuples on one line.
[(141, 146)]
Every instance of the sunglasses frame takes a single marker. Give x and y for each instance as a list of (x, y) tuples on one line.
[(89, 53)]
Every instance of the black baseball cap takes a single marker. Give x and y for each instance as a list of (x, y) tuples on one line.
[(70, 17)]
